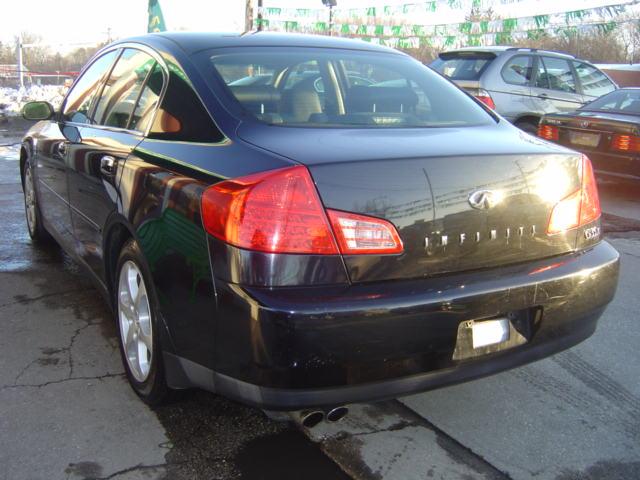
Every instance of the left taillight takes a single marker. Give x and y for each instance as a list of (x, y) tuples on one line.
[(548, 132), (580, 207), (279, 211)]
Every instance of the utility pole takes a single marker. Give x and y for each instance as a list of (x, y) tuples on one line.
[(259, 15), (19, 59), (248, 15)]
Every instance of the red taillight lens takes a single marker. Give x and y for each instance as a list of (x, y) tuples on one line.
[(359, 234), (579, 208), (625, 143), (485, 98), (548, 132), (278, 211)]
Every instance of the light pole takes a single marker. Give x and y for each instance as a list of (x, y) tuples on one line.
[(330, 4)]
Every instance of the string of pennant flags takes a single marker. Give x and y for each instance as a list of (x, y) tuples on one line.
[(603, 19)]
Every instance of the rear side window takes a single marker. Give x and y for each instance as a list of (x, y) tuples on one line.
[(518, 70), (623, 101), (594, 82), (555, 74), (463, 65), (123, 88), (342, 89), (148, 100), (85, 90), (181, 115)]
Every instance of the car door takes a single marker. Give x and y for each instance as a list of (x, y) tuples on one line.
[(57, 140), (118, 120), (555, 86), (514, 98)]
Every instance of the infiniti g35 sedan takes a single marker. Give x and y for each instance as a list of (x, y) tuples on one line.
[(292, 248)]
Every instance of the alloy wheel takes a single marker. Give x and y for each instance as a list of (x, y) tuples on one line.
[(134, 315)]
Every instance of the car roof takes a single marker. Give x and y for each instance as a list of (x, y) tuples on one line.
[(192, 42), (506, 48)]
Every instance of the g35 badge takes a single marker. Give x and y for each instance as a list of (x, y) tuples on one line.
[(591, 233)]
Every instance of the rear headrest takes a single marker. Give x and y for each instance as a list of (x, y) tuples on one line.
[(253, 94), (385, 99)]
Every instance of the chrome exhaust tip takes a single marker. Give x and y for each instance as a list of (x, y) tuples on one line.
[(336, 414), (307, 418)]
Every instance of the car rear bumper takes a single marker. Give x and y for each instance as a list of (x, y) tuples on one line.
[(294, 348)]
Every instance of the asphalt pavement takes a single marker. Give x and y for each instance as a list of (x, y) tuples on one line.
[(66, 410)]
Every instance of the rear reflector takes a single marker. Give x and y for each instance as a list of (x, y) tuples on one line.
[(625, 143), (278, 211), (580, 207), (485, 98), (359, 234), (548, 132)]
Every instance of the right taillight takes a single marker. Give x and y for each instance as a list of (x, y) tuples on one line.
[(279, 211), (625, 143), (548, 132), (580, 207), (485, 98)]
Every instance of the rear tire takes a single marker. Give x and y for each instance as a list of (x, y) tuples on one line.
[(136, 311), (36, 229), (528, 126)]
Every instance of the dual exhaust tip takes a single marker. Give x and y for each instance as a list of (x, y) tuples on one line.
[(311, 418)]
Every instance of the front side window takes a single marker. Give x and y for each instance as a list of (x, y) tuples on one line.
[(555, 74), (594, 82), (123, 88), (86, 89), (332, 88), (518, 70)]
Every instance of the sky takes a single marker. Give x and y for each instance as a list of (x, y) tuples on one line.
[(65, 23)]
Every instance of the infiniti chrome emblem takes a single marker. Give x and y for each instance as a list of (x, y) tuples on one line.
[(584, 124), (482, 199)]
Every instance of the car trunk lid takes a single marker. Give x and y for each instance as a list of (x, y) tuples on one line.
[(461, 198)]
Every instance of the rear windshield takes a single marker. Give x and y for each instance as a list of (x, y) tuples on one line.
[(342, 88), (622, 101), (463, 65)]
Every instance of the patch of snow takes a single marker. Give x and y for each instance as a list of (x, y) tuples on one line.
[(13, 99)]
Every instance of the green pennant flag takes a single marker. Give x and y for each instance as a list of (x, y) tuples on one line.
[(321, 26), (290, 26), (508, 24), (541, 20), (465, 27), (449, 41), (371, 12), (379, 30), (156, 20), (484, 26), (430, 7)]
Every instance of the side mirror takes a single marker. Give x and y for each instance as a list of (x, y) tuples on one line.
[(38, 111)]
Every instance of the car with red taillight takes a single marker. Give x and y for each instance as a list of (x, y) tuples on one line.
[(295, 250), (523, 84), (607, 130)]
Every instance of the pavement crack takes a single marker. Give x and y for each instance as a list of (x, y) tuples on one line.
[(136, 468), (63, 380)]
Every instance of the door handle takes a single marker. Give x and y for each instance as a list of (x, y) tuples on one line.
[(108, 166), (543, 96)]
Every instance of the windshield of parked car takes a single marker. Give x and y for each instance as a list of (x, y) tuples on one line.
[(342, 88), (623, 101), (463, 65)]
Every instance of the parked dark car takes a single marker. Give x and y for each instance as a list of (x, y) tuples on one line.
[(607, 129), (293, 253)]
